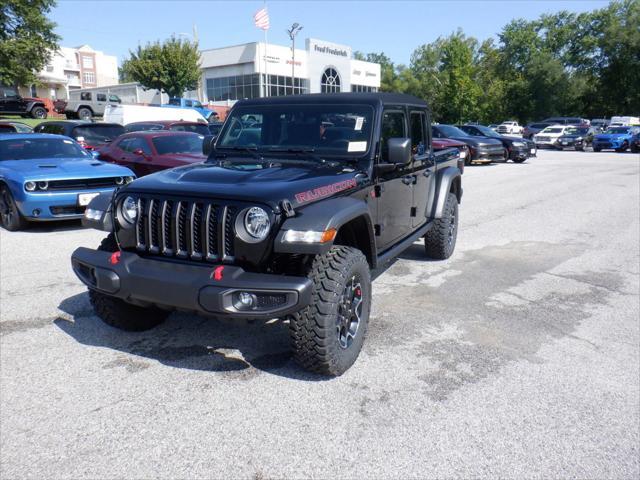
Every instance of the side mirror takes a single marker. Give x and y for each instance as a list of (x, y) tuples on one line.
[(207, 144), (399, 150)]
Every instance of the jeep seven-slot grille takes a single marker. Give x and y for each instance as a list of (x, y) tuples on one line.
[(186, 229)]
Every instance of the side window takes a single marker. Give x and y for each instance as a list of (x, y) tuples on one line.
[(418, 133), (139, 143), (393, 126), (9, 92), (187, 103), (124, 144), (85, 96), (114, 98), (54, 129), (435, 133), (101, 97)]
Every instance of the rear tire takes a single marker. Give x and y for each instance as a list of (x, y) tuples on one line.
[(39, 112), (327, 335), (118, 313), (440, 240), (10, 217), (84, 113)]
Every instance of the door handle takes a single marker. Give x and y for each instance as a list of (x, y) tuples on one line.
[(408, 180)]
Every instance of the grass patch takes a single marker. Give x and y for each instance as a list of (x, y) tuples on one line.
[(32, 122)]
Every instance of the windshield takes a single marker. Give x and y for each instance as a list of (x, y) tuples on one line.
[(35, 148), (7, 129), (618, 130), (553, 130), (178, 144), (486, 131), (98, 134), (199, 128), (451, 131), (576, 131), (142, 127), (174, 101), (329, 130)]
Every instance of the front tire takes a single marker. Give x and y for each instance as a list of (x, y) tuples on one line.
[(10, 217), (327, 336), (39, 112), (118, 313), (440, 240), (84, 114)]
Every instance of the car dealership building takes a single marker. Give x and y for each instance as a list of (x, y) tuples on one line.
[(258, 69)]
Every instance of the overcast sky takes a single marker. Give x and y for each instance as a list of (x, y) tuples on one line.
[(393, 27)]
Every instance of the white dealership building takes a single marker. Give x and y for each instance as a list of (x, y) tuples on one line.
[(257, 69)]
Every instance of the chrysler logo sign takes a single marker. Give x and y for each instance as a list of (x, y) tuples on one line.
[(331, 51)]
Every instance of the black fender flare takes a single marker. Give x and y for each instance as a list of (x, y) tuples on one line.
[(446, 178), (321, 216), (32, 105), (101, 203)]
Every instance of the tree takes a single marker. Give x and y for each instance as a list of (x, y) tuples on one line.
[(27, 40), (172, 67)]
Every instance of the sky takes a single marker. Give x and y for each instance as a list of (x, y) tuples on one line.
[(393, 27)]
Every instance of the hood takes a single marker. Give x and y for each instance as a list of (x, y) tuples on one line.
[(300, 183), (446, 143), (65, 168), (612, 136)]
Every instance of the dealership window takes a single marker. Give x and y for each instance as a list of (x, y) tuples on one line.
[(330, 81), (363, 88), (235, 87), (89, 77), (279, 85), (87, 62)]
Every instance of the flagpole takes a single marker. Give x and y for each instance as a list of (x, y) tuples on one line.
[(266, 77)]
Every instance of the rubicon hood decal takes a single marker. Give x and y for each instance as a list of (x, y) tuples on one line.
[(325, 191)]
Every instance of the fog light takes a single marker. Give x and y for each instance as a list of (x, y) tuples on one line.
[(246, 301)]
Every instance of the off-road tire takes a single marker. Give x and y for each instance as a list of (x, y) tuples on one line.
[(10, 217), (84, 113), (39, 112), (440, 240), (119, 314), (315, 330)]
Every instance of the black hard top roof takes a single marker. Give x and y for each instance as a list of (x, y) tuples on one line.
[(83, 123), (376, 98)]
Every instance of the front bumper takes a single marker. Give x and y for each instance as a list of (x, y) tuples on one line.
[(517, 153), (608, 144), (54, 205), (196, 288), (485, 155)]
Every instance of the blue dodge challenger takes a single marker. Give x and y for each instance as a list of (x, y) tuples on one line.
[(50, 177)]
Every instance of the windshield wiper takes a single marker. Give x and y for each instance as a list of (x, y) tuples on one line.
[(253, 151)]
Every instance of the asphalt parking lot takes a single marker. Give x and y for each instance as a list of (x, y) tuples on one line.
[(518, 357)]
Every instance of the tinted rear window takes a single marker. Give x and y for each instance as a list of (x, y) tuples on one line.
[(142, 127), (201, 129), (98, 134)]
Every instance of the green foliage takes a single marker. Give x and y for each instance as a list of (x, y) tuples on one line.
[(27, 40), (172, 67), (585, 64)]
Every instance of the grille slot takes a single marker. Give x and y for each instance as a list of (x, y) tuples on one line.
[(186, 229)]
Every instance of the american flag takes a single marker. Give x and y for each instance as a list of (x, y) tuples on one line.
[(261, 19)]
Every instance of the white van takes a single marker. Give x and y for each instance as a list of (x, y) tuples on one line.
[(624, 121), (125, 114)]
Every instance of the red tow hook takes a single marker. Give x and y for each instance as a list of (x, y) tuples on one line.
[(217, 273), (115, 258)]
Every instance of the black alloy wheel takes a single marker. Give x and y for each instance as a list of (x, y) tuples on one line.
[(349, 312), (10, 217)]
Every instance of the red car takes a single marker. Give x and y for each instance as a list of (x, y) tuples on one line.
[(173, 125), (442, 143), (152, 151)]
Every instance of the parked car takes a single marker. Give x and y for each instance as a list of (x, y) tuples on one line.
[(510, 127), (565, 121), (207, 113), (493, 126), (151, 151), (481, 149), (517, 149), (12, 103), (439, 144), (126, 114), (90, 135), (624, 121), (530, 130), (635, 143), (290, 226), (548, 138), (50, 177), (7, 126), (578, 137), (176, 126), (88, 106), (616, 138), (600, 123)]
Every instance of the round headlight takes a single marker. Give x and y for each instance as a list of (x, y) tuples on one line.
[(119, 181), (30, 186), (43, 185), (128, 179), (129, 209), (256, 222)]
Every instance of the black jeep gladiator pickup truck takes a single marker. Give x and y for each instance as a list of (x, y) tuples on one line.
[(299, 199)]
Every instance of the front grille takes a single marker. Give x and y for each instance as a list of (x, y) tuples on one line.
[(186, 229), (84, 183), (542, 139)]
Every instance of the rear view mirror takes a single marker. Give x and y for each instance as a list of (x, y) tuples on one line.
[(207, 144), (399, 150)]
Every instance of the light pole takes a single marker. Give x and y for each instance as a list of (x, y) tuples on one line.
[(293, 31)]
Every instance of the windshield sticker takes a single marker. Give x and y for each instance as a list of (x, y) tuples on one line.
[(325, 191), (359, 123), (357, 147)]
